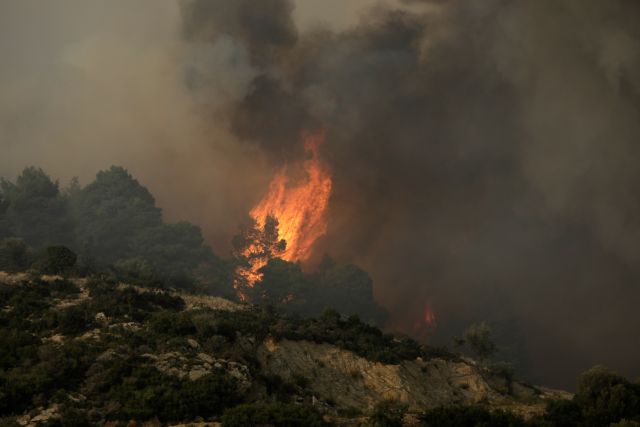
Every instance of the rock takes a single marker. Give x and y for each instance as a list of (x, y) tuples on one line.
[(419, 384), (102, 318), (23, 420), (197, 372), (94, 334), (57, 338), (44, 415), (193, 343), (205, 357)]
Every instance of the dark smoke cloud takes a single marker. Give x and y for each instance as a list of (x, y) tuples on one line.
[(266, 27), (485, 159), (484, 152)]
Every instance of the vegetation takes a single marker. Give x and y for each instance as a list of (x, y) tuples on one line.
[(113, 227), (276, 414), (106, 367), (463, 416), (14, 255), (100, 351), (388, 413), (603, 399), (344, 288), (108, 345), (477, 338)]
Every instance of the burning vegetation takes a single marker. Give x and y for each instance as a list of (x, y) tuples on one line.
[(288, 220)]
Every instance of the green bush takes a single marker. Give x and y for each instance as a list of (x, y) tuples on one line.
[(128, 302), (388, 413), (605, 397), (69, 416), (563, 413), (75, 319), (17, 347), (209, 395), (14, 255), (464, 416), (56, 260), (276, 414), (145, 392), (8, 421)]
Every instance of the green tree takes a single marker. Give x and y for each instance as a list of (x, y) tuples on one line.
[(111, 211), (56, 260), (605, 397), (479, 340), (36, 210), (172, 249), (14, 255), (5, 226), (346, 288)]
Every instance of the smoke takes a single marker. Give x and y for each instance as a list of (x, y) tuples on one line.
[(484, 152), (84, 85)]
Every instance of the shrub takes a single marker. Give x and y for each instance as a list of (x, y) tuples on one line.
[(8, 421), (56, 260), (209, 395), (462, 416), (276, 414), (69, 417), (563, 413), (605, 397), (17, 347), (137, 271), (388, 413), (478, 338), (75, 319), (14, 255), (145, 392)]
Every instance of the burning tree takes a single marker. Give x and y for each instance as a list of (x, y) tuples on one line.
[(253, 247), (287, 221)]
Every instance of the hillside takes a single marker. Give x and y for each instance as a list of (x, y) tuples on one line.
[(86, 351)]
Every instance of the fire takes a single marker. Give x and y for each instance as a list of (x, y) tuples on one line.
[(299, 206), (429, 317), (426, 323)]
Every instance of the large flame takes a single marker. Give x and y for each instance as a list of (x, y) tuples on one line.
[(299, 206)]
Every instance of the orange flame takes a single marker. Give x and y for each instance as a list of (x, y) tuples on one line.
[(424, 325), (300, 207), (429, 317)]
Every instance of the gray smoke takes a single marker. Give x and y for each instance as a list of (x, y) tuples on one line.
[(484, 152), (484, 156)]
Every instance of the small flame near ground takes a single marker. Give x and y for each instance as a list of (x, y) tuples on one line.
[(429, 316), (300, 207), (423, 325)]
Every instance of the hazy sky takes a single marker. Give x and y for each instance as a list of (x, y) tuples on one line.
[(484, 152)]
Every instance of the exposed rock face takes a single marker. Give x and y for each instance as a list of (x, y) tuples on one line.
[(352, 381)]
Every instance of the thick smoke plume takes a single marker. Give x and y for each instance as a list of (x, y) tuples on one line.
[(484, 152)]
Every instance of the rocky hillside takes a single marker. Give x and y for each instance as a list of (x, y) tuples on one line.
[(94, 351), (350, 381)]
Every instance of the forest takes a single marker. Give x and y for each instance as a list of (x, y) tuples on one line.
[(114, 226)]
